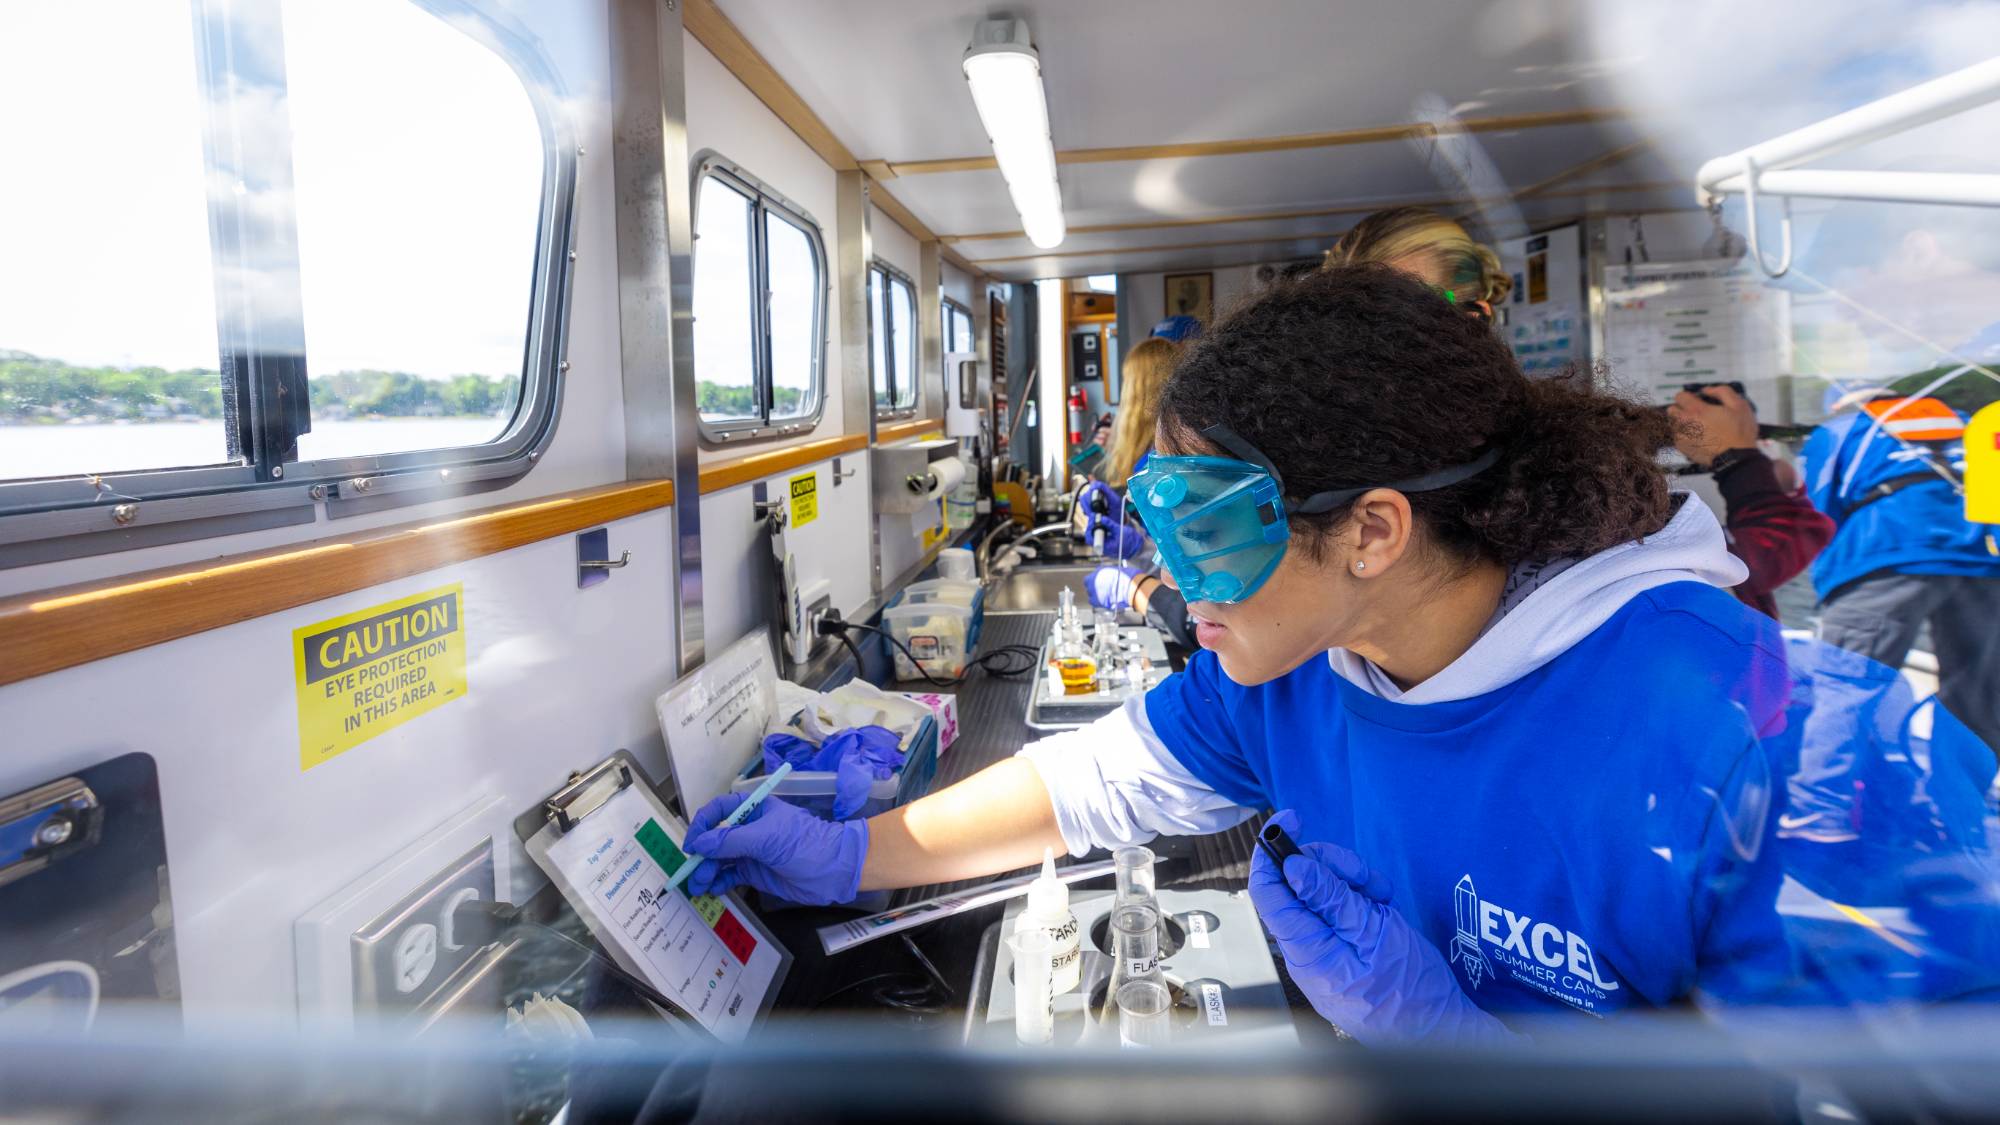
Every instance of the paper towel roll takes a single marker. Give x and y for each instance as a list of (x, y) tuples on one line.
[(944, 476)]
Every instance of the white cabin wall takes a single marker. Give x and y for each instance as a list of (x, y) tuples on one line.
[(737, 566), (960, 287), (557, 677), (739, 595), (1146, 295), (724, 117), (893, 244)]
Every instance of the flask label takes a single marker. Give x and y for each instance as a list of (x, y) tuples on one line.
[(1212, 1007)]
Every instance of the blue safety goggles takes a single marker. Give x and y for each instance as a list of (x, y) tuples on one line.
[(1219, 524)]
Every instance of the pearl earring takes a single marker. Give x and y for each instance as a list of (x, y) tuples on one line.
[(1360, 566)]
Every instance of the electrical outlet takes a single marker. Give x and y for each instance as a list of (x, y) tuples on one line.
[(404, 955)]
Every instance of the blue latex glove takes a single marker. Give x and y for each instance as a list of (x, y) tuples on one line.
[(858, 757), (1100, 499), (1110, 587), (1363, 966), (779, 849), (1116, 539)]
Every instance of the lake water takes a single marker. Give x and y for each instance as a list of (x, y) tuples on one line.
[(110, 447)]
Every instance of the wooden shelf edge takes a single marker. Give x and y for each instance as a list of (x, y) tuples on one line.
[(49, 630), (897, 431), (762, 463)]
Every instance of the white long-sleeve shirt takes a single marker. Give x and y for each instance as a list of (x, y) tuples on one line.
[(1114, 783)]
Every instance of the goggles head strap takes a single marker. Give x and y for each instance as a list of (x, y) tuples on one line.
[(1242, 450), (1225, 438), (1429, 482)]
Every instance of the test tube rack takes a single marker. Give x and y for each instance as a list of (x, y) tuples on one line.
[(1050, 709)]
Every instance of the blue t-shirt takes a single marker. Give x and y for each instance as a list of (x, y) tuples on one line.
[(1594, 836)]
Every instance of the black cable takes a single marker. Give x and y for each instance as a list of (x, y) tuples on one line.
[(1022, 657), (920, 997), (860, 666)]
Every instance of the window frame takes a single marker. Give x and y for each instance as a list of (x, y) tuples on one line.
[(45, 519), (763, 199), (949, 305), (891, 275)]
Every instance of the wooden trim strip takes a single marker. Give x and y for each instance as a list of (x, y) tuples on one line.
[(915, 427), (716, 31), (1315, 237), (1540, 191), (1596, 163), (51, 630), (1359, 209), (1370, 134), (898, 214), (719, 475)]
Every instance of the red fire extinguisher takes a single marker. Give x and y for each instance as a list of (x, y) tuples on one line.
[(1079, 413)]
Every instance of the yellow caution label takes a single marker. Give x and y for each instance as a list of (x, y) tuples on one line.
[(372, 670), (1982, 465), (805, 498)]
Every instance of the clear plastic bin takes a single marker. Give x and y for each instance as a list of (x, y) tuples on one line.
[(951, 591), (939, 634), (812, 790)]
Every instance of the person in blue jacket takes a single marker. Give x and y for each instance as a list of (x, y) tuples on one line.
[(1903, 554), (1459, 632)]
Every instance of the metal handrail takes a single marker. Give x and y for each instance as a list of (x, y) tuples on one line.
[(1765, 168)]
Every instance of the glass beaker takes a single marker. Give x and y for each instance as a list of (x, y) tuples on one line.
[(1135, 942), (1134, 867), (1145, 1014)]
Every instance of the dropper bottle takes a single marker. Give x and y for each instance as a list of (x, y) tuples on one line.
[(1047, 908)]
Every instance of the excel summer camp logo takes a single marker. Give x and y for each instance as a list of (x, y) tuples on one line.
[(1541, 955)]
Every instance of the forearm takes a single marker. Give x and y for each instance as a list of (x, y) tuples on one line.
[(1774, 532), (996, 820)]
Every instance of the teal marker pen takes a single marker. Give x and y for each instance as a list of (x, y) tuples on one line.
[(755, 798)]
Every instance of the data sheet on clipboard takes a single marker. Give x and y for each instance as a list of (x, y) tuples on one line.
[(698, 950)]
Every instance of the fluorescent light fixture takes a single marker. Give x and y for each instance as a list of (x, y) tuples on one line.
[(1005, 74)]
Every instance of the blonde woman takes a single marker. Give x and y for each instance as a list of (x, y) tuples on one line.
[(1412, 240), (1433, 249), (1141, 376)]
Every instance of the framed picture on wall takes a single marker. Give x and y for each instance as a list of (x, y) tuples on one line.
[(1191, 294)]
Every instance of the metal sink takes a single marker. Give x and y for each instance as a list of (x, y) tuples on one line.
[(1033, 589)]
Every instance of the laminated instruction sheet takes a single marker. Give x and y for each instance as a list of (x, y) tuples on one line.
[(1670, 324), (716, 961)]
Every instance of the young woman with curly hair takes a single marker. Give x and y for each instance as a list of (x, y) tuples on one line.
[(1457, 628)]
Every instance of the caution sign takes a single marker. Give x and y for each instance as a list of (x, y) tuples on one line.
[(805, 498), (367, 672)]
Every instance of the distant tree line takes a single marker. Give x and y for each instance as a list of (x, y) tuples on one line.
[(35, 389), (741, 401)]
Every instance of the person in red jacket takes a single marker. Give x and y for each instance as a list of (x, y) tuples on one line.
[(1771, 525)]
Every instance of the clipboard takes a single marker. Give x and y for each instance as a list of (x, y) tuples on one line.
[(609, 844)]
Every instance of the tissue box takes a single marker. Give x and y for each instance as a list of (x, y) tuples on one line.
[(944, 712)]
